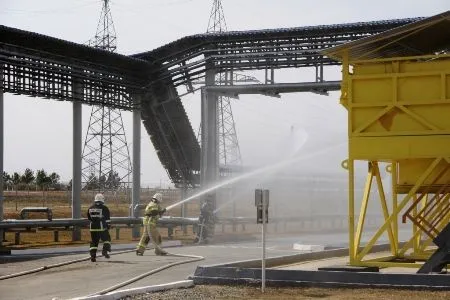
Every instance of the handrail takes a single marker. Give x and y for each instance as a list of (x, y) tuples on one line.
[(163, 221)]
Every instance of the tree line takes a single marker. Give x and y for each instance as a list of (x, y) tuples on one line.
[(39, 180), (110, 182)]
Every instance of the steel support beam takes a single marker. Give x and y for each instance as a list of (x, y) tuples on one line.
[(76, 162), (136, 191), (209, 148)]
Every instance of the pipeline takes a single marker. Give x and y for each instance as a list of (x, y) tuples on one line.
[(163, 221), (139, 277)]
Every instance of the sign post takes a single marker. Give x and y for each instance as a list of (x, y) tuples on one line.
[(262, 217)]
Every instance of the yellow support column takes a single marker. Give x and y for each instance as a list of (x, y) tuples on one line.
[(363, 210), (393, 240), (351, 211)]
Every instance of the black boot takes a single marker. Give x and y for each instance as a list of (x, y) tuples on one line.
[(105, 254), (93, 253)]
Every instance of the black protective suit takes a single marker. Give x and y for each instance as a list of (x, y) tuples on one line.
[(206, 223), (98, 214)]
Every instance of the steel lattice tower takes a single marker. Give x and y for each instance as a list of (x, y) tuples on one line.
[(106, 159), (229, 152)]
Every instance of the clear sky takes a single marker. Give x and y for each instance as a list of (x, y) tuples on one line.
[(38, 132)]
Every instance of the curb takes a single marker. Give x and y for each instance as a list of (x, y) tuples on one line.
[(249, 272)]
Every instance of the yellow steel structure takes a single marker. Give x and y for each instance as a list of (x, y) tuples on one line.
[(399, 114)]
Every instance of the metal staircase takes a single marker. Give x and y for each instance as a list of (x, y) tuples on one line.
[(431, 216)]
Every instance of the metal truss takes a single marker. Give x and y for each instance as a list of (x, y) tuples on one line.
[(105, 37), (229, 152), (38, 65), (217, 21), (38, 78), (187, 59), (33, 73), (106, 158)]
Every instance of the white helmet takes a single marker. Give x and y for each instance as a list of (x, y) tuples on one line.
[(158, 197), (99, 198)]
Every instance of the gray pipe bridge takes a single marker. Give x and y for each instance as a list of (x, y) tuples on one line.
[(41, 66)]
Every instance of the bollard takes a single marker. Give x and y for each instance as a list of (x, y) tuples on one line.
[(56, 236), (117, 233), (170, 232)]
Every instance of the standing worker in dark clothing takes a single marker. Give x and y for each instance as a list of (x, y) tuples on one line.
[(98, 214), (206, 223), (153, 212)]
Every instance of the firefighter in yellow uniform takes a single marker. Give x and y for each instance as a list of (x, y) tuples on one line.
[(153, 212)]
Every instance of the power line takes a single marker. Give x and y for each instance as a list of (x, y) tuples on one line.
[(60, 10)]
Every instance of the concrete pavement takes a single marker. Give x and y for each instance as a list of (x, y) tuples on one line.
[(84, 278)]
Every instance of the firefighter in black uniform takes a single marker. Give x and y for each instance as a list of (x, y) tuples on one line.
[(206, 223), (98, 214)]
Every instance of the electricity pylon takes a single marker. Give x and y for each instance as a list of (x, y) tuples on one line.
[(106, 159), (229, 152)]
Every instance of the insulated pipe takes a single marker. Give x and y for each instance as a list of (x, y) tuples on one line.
[(164, 221)]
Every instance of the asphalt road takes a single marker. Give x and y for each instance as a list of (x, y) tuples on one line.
[(85, 278)]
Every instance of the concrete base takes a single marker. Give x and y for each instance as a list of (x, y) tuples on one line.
[(277, 277), (344, 268), (249, 272)]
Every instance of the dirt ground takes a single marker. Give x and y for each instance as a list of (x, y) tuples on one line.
[(206, 292)]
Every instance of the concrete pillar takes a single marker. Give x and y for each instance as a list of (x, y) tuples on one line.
[(76, 162), (136, 189), (209, 150)]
